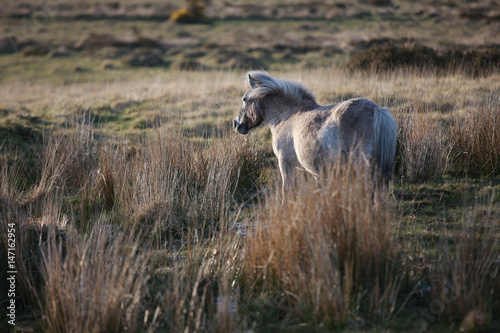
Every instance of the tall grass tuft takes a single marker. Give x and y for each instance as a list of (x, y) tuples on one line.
[(327, 251), (12, 216), (467, 279), (424, 148), (93, 286), (81, 149), (33, 215), (199, 290), (476, 137), (171, 185), (105, 180)]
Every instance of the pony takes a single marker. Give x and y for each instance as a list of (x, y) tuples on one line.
[(311, 136)]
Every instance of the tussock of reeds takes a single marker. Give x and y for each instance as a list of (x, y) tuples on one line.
[(200, 293), (33, 215), (467, 278), (327, 250), (424, 148), (93, 287), (476, 138), (170, 184), (74, 261)]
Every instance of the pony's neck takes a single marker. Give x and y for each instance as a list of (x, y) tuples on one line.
[(279, 108)]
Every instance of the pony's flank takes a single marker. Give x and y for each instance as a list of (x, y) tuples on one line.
[(267, 85)]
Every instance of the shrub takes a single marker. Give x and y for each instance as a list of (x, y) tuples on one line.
[(389, 56), (193, 13), (473, 62), (396, 55)]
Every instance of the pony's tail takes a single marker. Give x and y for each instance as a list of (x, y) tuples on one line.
[(384, 146)]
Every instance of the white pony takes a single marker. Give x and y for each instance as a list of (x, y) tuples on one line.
[(309, 135)]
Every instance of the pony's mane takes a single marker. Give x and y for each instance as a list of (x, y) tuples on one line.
[(267, 85)]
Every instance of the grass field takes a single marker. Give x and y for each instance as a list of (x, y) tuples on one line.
[(135, 207)]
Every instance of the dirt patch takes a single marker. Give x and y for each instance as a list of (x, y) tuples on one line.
[(377, 2), (11, 44), (237, 60), (80, 69), (107, 65), (7, 44), (195, 54), (297, 47), (189, 65), (163, 10), (383, 41), (479, 12), (145, 58), (146, 42), (95, 42), (84, 10), (35, 50), (98, 41), (111, 52), (60, 52)]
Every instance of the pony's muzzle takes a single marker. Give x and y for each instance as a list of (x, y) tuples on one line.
[(240, 128)]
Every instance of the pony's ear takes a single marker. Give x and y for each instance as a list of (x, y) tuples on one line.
[(252, 82)]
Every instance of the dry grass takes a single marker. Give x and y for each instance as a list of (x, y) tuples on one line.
[(326, 251), (393, 54), (476, 138), (424, 148), (25, 242), (333, 256), (467, 279), (200, 293), (171, 185), (136, 207), (70, 229), (94, 286), (34, 214)]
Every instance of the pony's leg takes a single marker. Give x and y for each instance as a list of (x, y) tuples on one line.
[(286, 170)]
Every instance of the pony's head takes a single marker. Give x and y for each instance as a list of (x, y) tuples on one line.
[(250, 115), (261, 85)]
